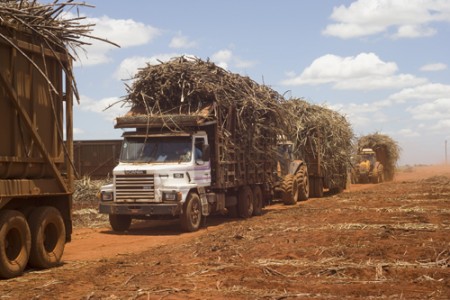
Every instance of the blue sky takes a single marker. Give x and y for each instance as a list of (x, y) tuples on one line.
[(384, 64)]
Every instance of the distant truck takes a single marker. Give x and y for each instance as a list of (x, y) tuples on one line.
[(164, 172), (386, 153), (369, 168), (36, 183)]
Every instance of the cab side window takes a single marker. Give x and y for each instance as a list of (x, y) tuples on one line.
[(199, 146)]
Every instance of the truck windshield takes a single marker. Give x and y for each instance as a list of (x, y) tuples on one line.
[(156, 150)]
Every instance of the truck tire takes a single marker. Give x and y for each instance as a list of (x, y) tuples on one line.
[(191, 217), (316, 187), (245, 202), (289, 188), (48, 237), (15, 243), (119, 223), (257, 201), (303, 183)]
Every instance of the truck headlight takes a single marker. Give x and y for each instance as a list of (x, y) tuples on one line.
[(106, 196), (171, 196)]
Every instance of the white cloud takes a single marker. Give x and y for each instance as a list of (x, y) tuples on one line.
[(414, 31), (362, 115), (129, 66), (225, 59), (435, 110), (433, 67), (222, 58), (127, 33), (430, 91), (180, 41), (441, 126), (406, 132), (109, 108), (124, 32), (76, 131), (366, 71), (408, 18)]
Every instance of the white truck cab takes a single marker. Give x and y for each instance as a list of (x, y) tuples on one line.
[(155, 174)]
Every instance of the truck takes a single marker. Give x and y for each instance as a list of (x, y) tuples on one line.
[(187, 174), (190, 153), (36, 183), (384, 153), (369, 167)]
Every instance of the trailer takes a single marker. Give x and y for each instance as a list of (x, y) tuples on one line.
[(36, 183), (37, 86)]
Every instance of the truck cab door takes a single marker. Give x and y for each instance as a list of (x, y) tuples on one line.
[(202, 165)]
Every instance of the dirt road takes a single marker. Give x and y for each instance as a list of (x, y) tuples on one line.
[(390, 240)]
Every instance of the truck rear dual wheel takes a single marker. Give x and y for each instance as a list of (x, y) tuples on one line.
[(15, 243), (48, 237), (191, 217), (245, 202), (120, 223)]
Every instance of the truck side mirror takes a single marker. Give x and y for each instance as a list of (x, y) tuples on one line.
[(206, 153)]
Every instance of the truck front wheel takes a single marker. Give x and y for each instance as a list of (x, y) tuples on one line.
[(48, 237), (15, 243), (119, 223), (191, 217)]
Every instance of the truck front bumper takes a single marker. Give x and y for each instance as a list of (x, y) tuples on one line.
[(160, 209)]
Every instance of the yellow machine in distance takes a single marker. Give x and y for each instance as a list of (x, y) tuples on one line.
[(369, 169)]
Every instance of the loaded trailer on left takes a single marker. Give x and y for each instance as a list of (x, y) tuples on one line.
[(36, 137), (35, 189)]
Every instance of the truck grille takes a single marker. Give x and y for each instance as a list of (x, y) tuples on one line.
[(135, 188)]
